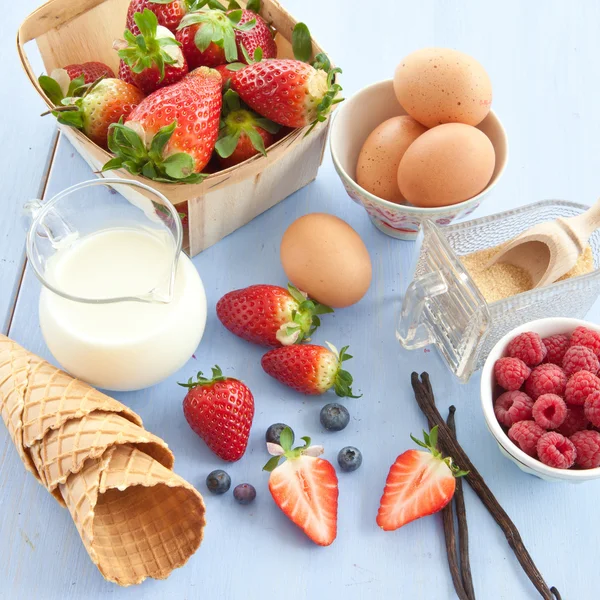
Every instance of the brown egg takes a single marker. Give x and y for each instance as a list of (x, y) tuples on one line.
[(324, 257), (378, 161), (439, 85), (447, 164)]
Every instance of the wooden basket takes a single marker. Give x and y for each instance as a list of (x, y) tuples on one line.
[(75, 31)]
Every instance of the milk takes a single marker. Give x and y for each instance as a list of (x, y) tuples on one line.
[(123, 345)]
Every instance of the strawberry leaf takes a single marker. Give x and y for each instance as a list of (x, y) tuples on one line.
[(159, 141), (253, 5), (301, 43), (51, 88), (256, 140), (322, 62), (286, 439), (227, 144), (268, 125), (204, 36), (77, 86), (233, 5), (272, 464), (113, 163), (73, 118), (179, 165)]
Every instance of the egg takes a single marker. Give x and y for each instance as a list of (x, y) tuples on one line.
[(439, 85), (447, 164), (379, 158), (325, 258)]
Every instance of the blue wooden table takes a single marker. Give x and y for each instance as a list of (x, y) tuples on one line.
[(543, 62)]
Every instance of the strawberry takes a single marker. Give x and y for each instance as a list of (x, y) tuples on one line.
[(90, 71), (270, 315), (220, 410), (310, 369), (170, 136), (125, 72), (260, 36), (418, 484), (225, 72), (168, 13), (304, 487), (287, 91), (242, 134), (98, 106), (208, 37), (154, 55)]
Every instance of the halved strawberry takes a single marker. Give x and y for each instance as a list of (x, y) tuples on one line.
[(243, 133), (418, 484), (154, 55), (304, 487)]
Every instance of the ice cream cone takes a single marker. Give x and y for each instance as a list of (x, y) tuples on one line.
[(64, 450), (136, 518)]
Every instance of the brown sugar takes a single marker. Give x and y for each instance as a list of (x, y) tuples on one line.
[(503, 281)]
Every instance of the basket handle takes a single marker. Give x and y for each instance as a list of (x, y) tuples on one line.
[(49, 16)]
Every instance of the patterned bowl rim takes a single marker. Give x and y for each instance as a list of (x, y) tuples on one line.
[(433, 212), (564, 324)]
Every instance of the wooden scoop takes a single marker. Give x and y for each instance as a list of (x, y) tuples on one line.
[(550, 250)]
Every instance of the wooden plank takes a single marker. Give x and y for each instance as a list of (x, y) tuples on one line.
[(27, 142), (540, 63)]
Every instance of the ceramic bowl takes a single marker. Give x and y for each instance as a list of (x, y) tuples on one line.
[(545, 327), (355, 119)]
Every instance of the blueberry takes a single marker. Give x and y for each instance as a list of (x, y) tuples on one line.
[(218, 482), (349, 459), (273, 434), (244, 493), (334, 416)]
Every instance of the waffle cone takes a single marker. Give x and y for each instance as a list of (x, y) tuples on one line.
[(136, 518), (64, 450)]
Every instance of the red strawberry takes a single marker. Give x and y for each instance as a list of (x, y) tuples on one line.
[(270, 315), (89, 70), (289, 92), (208, 37), (220, 410), (168, 13), (225, 73), (260, 36), (418, 484), (242, 134), (170, 136), (103, 103), (310, 369), (125, 72), (154, 56), (305, 488)]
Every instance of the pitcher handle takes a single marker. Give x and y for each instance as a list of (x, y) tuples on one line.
[(413, 332)]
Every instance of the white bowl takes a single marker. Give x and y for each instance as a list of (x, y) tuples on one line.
[(355, 119), (545, 327)]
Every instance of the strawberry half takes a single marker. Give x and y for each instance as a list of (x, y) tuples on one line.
[(94, 108), (304, 487), (242, 134), (208, 37), (418, 484), (220, 410), (171, 135), (287, 91), (168, 13), (154, 55), (270, 315), (310, 369)]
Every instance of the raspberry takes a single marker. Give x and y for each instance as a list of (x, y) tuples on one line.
[(591, 408), (525, 434), (575, 421), (512, 407), (582, 336), (511, 373), (528, 347), (556, 346), (546, 379), (580, 386), (549, 411), (587, 445), (580, 358), (555, 450)]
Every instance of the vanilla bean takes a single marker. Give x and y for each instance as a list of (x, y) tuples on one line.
[(450, 446), (461, 517)]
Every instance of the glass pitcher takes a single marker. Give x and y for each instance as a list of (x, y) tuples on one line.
[(121, 306), (444, 307)]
